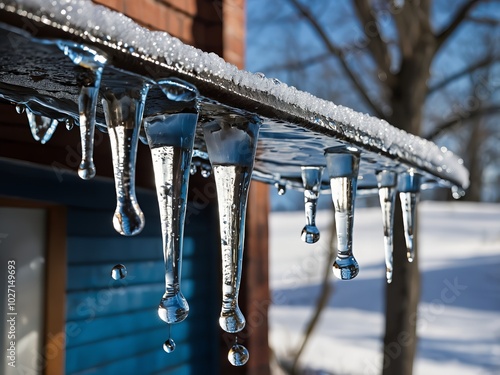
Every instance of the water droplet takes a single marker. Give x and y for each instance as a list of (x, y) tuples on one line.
[(311, 180), (119, 272), (70, 123), (238, 355), (281, 188), (20, 108), (457, 193), (205, 172), (193, 169), (169, 345), (123, 109), (276, 81), (343, 167), (260, 75), (41, 127)]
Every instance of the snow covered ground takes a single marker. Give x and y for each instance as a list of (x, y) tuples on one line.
[(459, 333)]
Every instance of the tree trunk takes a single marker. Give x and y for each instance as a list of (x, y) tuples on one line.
[(403, 294), (402, 297)]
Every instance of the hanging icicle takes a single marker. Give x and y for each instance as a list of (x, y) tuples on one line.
[(170, 136), (311, 180), (387, 187), (123, 107), (343, 165), (409, 189)]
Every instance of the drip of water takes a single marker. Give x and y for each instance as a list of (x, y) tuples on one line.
[(409, 189), (281, 188), (457, 192), (231, 148), (193, 169), (387, 187), (20, 108), (205, 172), (123, 108), (171, 138), (92, 61), (41, 127), (238, 355), (70, 123), (169, 344), (311, 180), (343, 167), (119, 272)]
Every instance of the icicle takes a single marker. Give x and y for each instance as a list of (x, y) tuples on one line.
[(41, 127), (311, 180), (387, 187), (123, 109), (343, 166), (89, 80), (409, 189), (231, 145), (171, 137)]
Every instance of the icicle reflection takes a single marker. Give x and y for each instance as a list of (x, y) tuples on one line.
[(231, 144), (311, 180), (123, 108), (409, 189), (387, 187), (41, 127), (343, 165), (171, 136)]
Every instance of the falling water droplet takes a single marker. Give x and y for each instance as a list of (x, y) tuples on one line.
[(343, 167), (41, 127), (119, 272), (232, 171), (281, 188), (238, 355), (20, 108), (123, 109), (409, 188), (171, 137), (311, 180), (387, 183), (169, 345)]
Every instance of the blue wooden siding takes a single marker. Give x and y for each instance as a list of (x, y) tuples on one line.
[(112, 326)]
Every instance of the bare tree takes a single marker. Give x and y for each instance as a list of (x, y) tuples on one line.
[(390, 61)]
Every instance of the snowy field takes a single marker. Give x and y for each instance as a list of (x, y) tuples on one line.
[(459, 244)]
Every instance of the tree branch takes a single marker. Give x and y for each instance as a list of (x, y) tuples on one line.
[(484, 20), (338, 53), (467, 70), (455, 121), (455, 22), (375, 44), (299, 64)]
